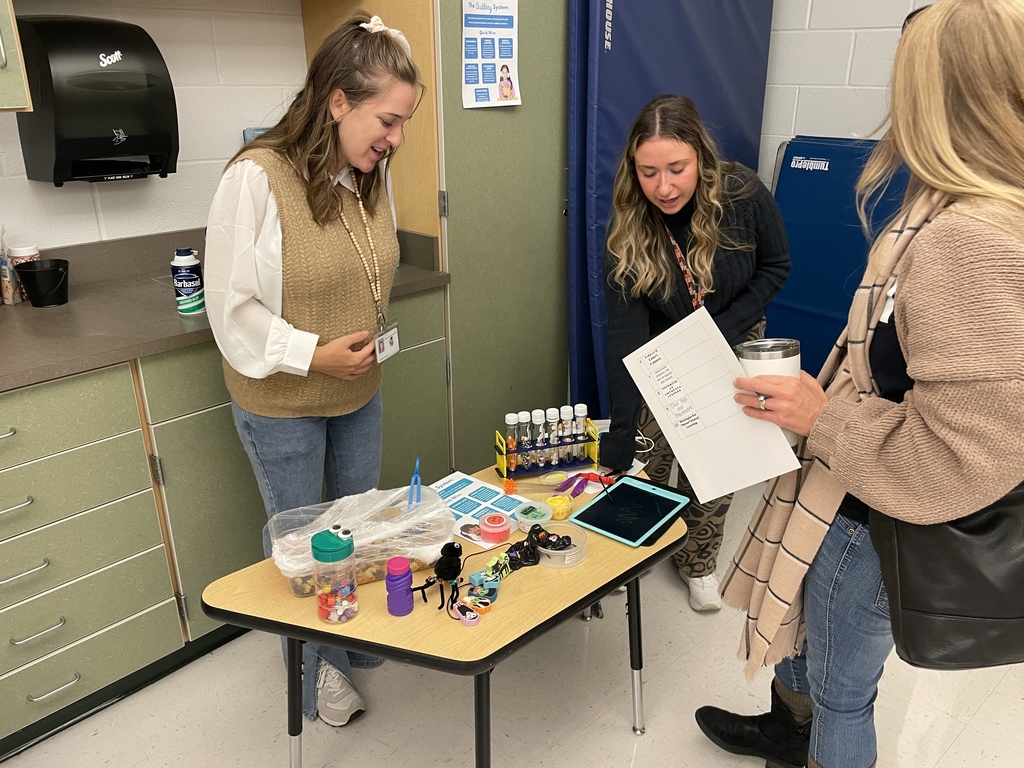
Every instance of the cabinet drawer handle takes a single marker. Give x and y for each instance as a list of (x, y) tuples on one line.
[(30, 571), (55, 691), (28, 500), (12, 431), (3, 53), (37, 635)]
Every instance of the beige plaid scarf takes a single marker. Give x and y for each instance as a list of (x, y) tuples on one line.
[(766, 575)]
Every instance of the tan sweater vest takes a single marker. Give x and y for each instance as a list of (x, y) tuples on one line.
[(325, 290)]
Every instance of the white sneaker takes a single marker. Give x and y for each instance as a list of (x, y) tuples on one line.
[(704, 592), (338, 703)]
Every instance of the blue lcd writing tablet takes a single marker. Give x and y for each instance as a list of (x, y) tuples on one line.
[(630, 510)]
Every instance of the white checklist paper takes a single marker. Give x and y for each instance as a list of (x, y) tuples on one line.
[(685, 376)]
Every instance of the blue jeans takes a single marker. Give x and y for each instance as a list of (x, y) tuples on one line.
[(292, 460), (849, 637)]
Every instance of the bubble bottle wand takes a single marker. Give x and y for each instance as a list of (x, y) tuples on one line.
[(414, 485)]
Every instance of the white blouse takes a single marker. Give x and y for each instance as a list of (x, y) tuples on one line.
[(243, 276)]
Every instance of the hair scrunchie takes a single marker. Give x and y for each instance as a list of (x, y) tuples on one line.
[(376, 25)]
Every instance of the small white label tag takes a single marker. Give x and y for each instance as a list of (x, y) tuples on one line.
[(385, 343)]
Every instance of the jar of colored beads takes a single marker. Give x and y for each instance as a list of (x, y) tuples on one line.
[(334, 571)]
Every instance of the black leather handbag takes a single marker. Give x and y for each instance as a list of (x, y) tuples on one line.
[(956, 589)]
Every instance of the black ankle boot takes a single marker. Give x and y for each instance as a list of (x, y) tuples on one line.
[(775, 735)]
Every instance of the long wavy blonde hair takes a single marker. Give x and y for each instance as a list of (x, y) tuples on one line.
[(637, 240), (362, 64), (956, 106)]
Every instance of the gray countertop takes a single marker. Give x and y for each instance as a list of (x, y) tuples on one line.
[(113, 321)]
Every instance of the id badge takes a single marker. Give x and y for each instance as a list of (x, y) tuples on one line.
[(385, 343)]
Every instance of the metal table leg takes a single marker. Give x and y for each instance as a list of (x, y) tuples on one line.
[(482, 715), (295, 702), (636, 654)]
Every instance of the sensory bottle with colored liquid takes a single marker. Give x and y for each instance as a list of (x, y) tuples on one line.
[(334, 572), (540, 456), (565, 430), (553, 450), (511, 424), (525, 443), (580, 430)]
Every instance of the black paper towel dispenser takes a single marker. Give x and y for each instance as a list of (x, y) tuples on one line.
[(103, 102)]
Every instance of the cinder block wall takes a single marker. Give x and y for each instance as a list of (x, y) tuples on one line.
[(237, 63), (234, 64), (828, 69)]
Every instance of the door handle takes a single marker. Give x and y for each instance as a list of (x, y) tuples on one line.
[(12, 431)]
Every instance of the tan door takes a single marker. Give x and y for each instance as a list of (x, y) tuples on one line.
[(415, 174)]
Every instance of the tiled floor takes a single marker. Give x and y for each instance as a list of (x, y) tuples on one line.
[(562, 701)]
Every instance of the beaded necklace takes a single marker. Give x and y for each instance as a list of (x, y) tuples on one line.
[(372, 276), (696, 295)]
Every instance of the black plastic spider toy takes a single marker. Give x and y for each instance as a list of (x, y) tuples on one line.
[(539, 537), (447, 569)]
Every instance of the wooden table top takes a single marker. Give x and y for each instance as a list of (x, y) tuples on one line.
[(530, 601)]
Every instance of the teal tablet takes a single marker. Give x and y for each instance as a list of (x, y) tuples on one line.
[(630, 510)]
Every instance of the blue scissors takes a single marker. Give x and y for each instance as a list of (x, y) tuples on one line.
[(415, 483)]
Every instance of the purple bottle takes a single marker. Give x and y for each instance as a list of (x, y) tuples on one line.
[(398, 583)]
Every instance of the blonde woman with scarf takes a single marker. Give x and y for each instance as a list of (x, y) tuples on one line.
[(918, 410)]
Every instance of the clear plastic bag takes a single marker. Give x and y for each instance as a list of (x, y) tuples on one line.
[(383, 526)]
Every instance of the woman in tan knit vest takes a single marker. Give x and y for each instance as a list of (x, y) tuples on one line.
[(917, 412), (301, 251)]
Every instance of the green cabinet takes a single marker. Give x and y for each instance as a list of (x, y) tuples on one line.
[(415, 393), (215, 513), (43, 491), (82, 554), (53, 555), (13, 85), (45, 419), (55, 681), (59, 617)]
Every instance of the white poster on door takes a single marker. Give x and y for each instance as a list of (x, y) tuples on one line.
[(490, 53)]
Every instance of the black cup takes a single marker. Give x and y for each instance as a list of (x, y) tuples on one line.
[(45, 281)]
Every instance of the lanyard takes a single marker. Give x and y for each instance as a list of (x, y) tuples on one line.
[(696, 296), (374, 275)]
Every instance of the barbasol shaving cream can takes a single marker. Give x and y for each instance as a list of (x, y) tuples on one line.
[(187, 274)]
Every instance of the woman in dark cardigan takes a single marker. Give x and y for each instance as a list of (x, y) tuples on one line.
[(687, 230)]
